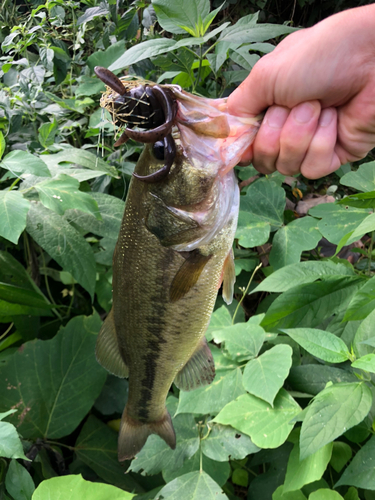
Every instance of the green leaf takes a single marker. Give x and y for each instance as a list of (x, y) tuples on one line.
[(2, 144), (290, 495), (13, 213), (366, 363), (63, 193), (80, 157), (361, 470), (310, 304), (325, 494), (268, 427), (21, 162), (363, 179), (141, 51), (96, 446), (359, 200), (364, 338), (212, 398), (18, 482), (224, 443), (337, 221), (352, 494), (301, 472), (302, 272), (243, 33), (175, 15), (194, 486), (341, 454), (332, 412), (323, 345), (264, 376), (76, 488), (218, 471), (367, 225), (47, 133), (10, 443), (108, 56), (290, 241), (18, 295), (53, 383), (111, 210), (64, 244), (261, 211), (220, 318), (242, 340), (157, 456), (312, 379)]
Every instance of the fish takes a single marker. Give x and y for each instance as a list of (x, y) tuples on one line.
[(173, 252)]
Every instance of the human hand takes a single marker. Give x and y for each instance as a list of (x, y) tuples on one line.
[(319, 87)]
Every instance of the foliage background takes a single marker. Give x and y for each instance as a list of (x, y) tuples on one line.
[(290, 415)]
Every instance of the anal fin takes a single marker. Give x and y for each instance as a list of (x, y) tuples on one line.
[(188, 274), (229, 278), (198, 371), (107, 350)]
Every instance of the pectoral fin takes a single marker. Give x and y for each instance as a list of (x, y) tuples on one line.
[(107, 351), (229, 278), (188, 274), (198, 371)]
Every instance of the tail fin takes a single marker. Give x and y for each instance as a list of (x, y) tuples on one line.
[(134, 433)]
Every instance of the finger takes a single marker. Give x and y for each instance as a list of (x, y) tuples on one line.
[(266, 146), (321, 158), (296, 136)]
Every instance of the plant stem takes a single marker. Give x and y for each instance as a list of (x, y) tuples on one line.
[(6, 331), (245, 292)]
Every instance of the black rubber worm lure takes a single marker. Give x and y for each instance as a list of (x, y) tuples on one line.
[(150, 107)]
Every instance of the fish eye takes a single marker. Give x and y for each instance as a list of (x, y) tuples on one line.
[(158, 149)]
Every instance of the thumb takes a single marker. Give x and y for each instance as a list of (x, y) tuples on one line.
[(255, 94)]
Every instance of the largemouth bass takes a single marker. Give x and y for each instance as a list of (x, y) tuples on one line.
[(173, 252)]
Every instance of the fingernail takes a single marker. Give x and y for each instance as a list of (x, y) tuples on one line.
[(303, 113), (326, 117), (276, 117)]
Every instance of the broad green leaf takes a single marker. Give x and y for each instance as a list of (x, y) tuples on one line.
[(361, 470), (2, 144), (290, 495), (25, 296), (311, 303), (21, 162), (212, 398), (111, 210), (341, 454), (312, 379), (352, 494), (242, 340), (114, 395), (108, 56), (359, 200), (63, 193), (242, 33), (337, 221), (81, 157), (219, 319), (53, 383), (261, 211), (13, 213), (364, 338), (268, 427), (363, 179), (47, 133), (366, 363), (193, 486), (64, 244), (100, 10), (264, 376), (301, 472), (218, 471), (333, 411), (362, 303), (18, 482), (141, 51), (173, 15), (76, 488), (224, 442), (303, 272), (156, 454), (323, 345), (290, 241), (325, 494), (10, 443), (96, 446)]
